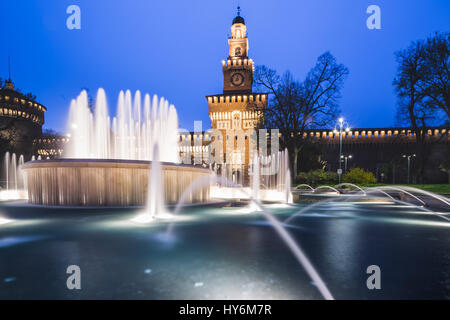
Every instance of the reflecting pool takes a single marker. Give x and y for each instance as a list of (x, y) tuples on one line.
[(219, 251)]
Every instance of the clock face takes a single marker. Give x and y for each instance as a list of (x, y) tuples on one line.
[(237, 79)]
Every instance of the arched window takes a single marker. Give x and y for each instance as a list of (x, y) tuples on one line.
[(236, 121), (237, 51)]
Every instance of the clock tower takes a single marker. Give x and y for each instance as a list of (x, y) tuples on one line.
[(238, 71), (238, 111)]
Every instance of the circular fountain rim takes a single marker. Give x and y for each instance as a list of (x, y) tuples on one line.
[(105, 163)]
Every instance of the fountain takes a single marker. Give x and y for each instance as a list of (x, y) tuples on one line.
[(277, 177), (14, 180), (294, 247), (109, 163), (271, 180)]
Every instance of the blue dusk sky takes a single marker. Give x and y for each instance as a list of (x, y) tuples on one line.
[(174, 48)]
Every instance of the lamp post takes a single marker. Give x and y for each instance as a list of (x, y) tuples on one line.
[(409, 156), (341, 129), (346, 160)]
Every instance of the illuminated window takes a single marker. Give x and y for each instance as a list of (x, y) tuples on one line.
[(236, 121)]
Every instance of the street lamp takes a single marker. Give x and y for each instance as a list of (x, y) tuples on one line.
[(408, 156), (341, 124), (346, 157)]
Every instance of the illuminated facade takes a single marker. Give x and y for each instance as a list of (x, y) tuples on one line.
[(49, 146), (237, 111), (21, 120)]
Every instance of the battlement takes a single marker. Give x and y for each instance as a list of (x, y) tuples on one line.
[(233, 63), (373, 135), (250, 115), (222, 98), (361, 135), (16, 105)]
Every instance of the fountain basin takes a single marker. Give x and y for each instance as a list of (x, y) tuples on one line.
[(104, 182)]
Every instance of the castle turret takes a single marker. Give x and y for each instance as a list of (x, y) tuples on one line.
[(21, 119)]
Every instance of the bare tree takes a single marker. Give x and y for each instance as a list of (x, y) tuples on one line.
[(296, 106), (437, 77), (416, 108)]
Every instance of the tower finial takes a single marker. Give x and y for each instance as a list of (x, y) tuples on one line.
[(9, 83), (9, 68), (238, 18)]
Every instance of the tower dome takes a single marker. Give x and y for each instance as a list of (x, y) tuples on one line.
[(238, 18)]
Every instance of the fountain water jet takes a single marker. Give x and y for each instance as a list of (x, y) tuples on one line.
[(270, 181), (351, 185), (375, 190), (130, 137), (287, 192), (287, 179), (255, 183), (327, 187), (155, 200), (277, 225), (107, 163), (405, 189), (15, 183), (304, 185), (13, 172), (364, 196)]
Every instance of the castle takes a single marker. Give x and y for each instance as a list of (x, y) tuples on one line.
[(238, 111), (21, 120)]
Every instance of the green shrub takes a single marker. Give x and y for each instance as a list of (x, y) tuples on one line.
[(358, 175), (317, 177), (302, 177)]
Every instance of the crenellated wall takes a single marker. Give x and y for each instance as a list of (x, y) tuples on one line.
[(373, 135), (232, 63)]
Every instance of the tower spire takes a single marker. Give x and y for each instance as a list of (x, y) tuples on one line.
[(239, 10), (9, 68), (9, 83)]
